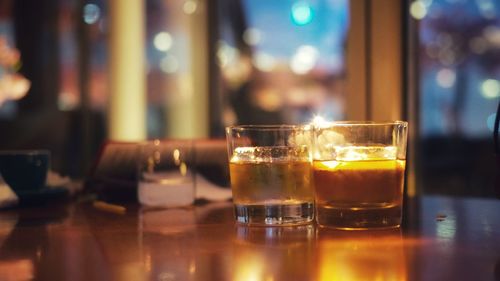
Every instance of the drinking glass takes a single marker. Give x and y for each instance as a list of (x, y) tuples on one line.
[(166, 173), (358, 172), (270, 171)]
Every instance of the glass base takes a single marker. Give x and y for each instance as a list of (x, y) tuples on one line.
[(282, 214), (359, 218)]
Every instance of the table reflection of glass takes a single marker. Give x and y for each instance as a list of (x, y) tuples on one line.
[(172, 229), (364, 255), (273, 253)]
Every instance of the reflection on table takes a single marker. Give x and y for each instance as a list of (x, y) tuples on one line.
[(442, 239)]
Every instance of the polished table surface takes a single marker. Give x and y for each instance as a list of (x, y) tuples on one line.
[(442, 238)]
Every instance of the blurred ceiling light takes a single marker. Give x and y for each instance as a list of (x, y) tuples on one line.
[(492, 34), (189, 7), (418, 10), (478, 45), (91, 13), (252, 36), (302, 13), (490, 89), (446, 78), (169, 64), (490, 121), (304, 59), (163, 41), (486, 8), (264, 62)]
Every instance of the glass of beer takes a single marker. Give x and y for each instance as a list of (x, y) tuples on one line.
[(271, 174), (358, 170)]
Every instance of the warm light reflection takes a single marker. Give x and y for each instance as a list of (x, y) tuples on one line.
[(273, 253), (20, 269), (192, 267), (370, 255), (251, 269), (176, 154)]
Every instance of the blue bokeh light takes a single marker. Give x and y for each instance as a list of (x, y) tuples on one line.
[(302, 13)]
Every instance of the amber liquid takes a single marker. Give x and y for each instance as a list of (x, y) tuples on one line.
[(271, 182), (359, 194), (272, 192)]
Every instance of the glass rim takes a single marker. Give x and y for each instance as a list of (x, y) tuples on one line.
[(362, 123), (268, 127)]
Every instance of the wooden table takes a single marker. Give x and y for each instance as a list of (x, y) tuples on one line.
[(442, 239)]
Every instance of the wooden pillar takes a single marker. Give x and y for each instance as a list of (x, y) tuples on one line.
[(188, 114), (127, 104), (376, 88)]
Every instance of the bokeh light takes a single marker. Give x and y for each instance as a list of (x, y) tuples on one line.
[(227, 54), (304, 59), (252, 36), (302, 13), (492, 34), (163, 41), (264, 62), (169, 64), (91, 13), (446, 78), (490, 89), (189, 7), (418, 10), (486, 8)]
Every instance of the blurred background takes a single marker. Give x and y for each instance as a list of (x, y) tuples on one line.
[(213, 63)]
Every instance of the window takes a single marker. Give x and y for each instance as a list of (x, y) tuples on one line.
[(459, 89), (281, 61)]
